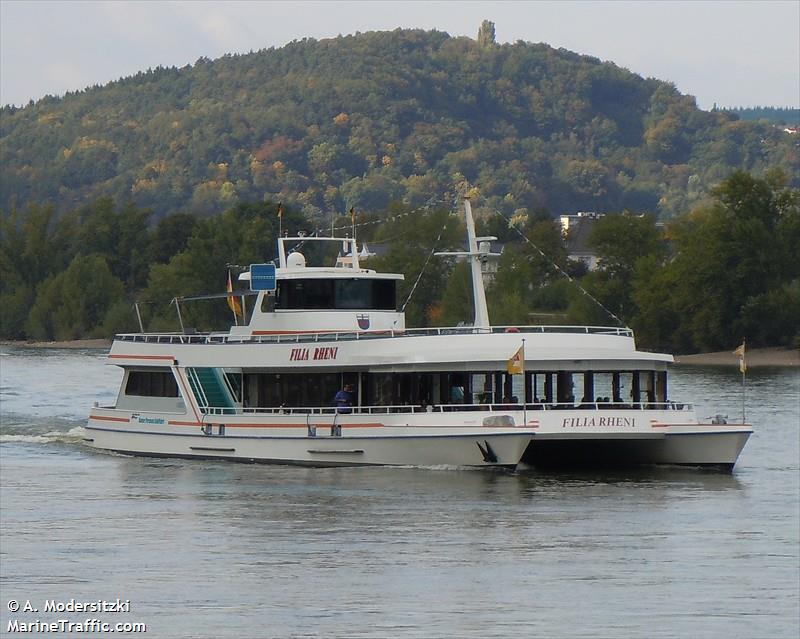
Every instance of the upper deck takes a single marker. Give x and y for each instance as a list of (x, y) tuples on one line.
[(351, 315), (336, 336), (467, 348)]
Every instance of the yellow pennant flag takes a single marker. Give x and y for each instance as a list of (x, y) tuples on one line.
[(233, 303), (742, 363), (280, 210), (516, 365)]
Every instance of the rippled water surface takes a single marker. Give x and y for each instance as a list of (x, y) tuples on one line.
[(217, 549)]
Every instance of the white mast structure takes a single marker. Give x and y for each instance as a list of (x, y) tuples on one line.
[(477, 253)]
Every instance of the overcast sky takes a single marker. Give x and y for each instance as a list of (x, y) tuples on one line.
[(731, 53)]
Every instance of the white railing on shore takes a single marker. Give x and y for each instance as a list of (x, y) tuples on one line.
[(448, 408), (226, 338)]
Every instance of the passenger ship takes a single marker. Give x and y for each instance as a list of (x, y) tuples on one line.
[(478, 396)]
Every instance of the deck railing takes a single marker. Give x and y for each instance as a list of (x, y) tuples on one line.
[(226, 338), (449, 408)]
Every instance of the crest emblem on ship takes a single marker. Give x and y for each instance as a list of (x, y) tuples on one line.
[(363, 321)]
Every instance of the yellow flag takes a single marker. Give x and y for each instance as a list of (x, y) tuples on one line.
[(280, 210), (516, 365), (742, 363)]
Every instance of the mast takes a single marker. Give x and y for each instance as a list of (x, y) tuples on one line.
[(478, 291), (478, 251)]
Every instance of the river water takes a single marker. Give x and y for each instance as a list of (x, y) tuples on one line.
[(218, 549)]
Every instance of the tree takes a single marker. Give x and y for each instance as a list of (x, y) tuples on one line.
[(74, 303), (486, 34), (457, 305), (412, 237), (732, 274), (620, 242), (245, 234), (171, 235)]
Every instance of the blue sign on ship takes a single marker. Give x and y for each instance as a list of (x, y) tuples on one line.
[(262, 277)]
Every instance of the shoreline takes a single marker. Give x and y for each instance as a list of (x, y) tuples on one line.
[(756, 358), (72, 343)]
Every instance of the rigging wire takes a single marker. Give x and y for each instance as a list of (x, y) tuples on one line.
[(560, 270), (428, 259)]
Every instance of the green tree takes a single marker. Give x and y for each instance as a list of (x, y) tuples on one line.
[(74, 303), (734, 261), (457, 306), (243, 235), (486, 34), (171, 235), (621, 242), (412, 237)]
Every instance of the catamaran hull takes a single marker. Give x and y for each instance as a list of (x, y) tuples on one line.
[(471, 449), (717, 450)]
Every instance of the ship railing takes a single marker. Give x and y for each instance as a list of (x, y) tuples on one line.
[(339, 336), (453, 408)]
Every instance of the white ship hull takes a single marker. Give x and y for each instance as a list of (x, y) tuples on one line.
[(549, 438), (718, 449), (469, 448)]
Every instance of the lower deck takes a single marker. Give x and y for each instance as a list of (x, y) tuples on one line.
[(409, 417)]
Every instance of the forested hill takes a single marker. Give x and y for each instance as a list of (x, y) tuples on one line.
[(363, 120), (776, 115)]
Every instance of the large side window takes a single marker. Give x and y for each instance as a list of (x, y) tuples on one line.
[(151, 384), (344, 294)]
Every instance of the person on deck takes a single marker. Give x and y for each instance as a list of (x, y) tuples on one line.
[(344, 399)]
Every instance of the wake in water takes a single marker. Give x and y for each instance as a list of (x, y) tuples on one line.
[(46, 395), (21, 428), (72, 436)]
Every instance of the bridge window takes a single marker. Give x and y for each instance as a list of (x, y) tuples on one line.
[(344, 294)]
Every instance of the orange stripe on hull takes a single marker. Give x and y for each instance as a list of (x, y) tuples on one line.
[(159, 357), (659, 425), (104, 418)]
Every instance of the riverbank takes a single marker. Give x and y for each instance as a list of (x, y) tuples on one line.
[(758, 357), (73, 343)]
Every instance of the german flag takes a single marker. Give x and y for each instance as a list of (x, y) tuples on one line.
[(233, 303)]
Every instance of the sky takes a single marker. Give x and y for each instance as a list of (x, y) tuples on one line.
[(724, 52)]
